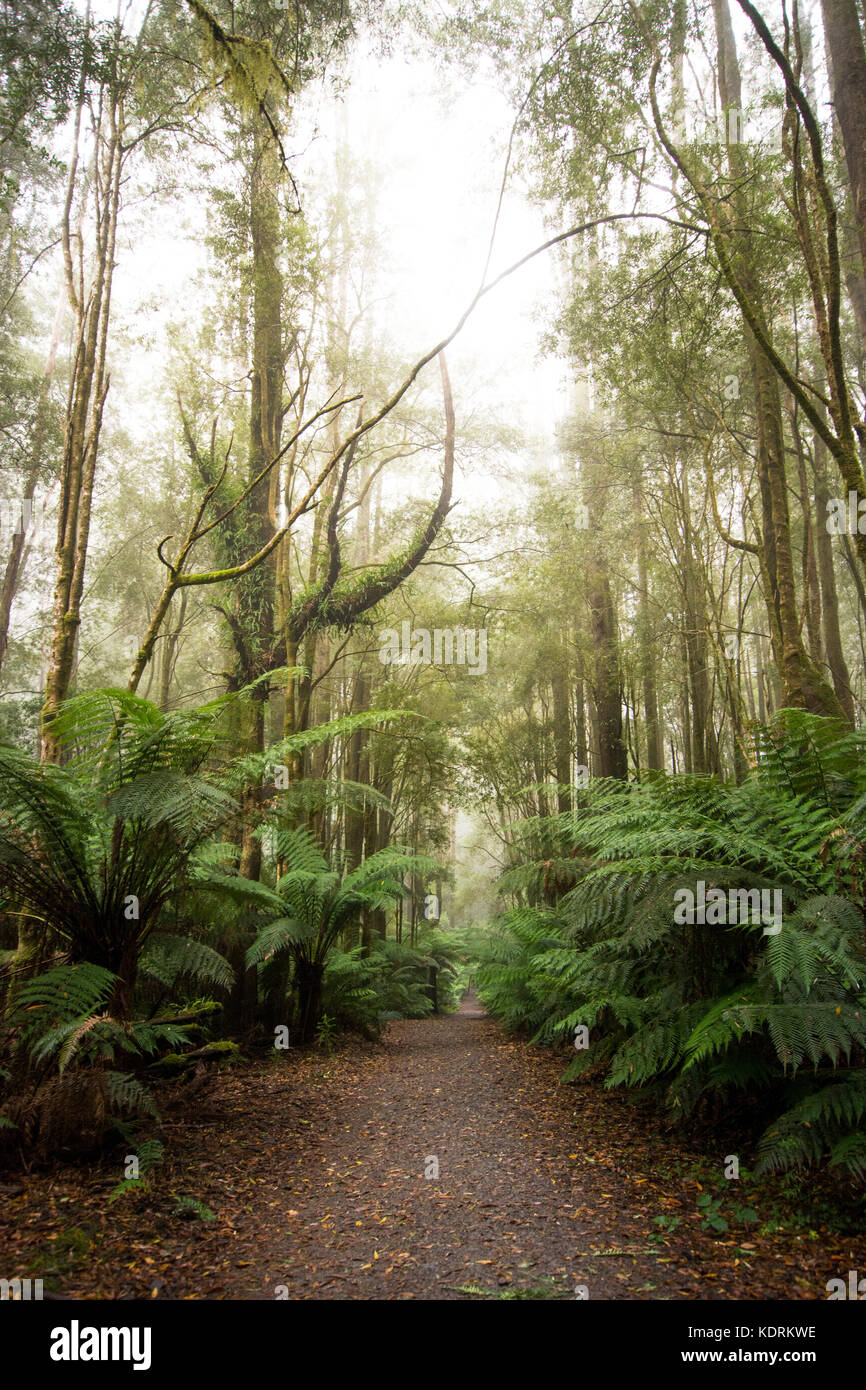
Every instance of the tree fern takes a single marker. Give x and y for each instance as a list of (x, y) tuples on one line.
[(705, 1010), (828, 1123)]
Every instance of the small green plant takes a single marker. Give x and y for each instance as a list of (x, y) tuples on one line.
[(548, 1291), (712, 1212), (190, 1207), (326, 1033), (149, 1153), (665, 1226), (714, 1220)]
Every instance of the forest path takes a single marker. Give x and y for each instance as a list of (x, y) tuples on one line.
[(313, 1166), (445, 1166)]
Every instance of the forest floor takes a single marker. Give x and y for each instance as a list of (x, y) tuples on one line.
[(311, 1171)]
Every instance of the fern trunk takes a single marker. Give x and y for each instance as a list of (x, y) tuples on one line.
[(308, 992)]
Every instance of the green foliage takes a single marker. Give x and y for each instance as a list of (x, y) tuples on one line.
[(60, 998), (712, 1208), (314, 905), (711, 1211), (509, 977), (168, 960), (664, 1226), (191, 1208), (830, 1122), (705, 1013), (94, 852), (245, 65), (150, 1153), (393, 981), (55, 1016), (326, 1032), (109, 860), (349, 993)]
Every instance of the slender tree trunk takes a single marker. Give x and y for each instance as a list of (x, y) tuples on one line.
[(829, 597), (702, 759), (561, 728), (811, 588), (87, 392), (685, 701), (646, 643), (804, 685), (581, 744), (604, 631), (613, 761), (844, 38), (17, 556), (357, 765)]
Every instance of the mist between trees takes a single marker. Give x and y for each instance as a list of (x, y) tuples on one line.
[(405, 585)]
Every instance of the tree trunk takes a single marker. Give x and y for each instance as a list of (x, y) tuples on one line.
[(308, 991), (847, 64), (87, 391), (704, 754), (561, 729), (829, 597), (804, 685), (613, 761), (604, 631), (646, 645), (17, 555)]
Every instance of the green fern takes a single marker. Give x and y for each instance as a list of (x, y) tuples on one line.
[(700, 1012)]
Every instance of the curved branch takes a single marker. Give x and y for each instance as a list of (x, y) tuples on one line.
[(327, 607)]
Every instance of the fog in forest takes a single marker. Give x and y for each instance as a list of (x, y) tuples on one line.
[(433, 647)]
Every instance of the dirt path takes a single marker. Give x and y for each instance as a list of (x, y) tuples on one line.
[(315, 1170), (441, 1173)]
